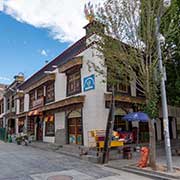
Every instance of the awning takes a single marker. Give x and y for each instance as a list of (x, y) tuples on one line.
[(49, 118), (35, 113)]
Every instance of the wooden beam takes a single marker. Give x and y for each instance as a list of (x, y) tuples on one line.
[(76, 61), (123, 98), (49, 77)]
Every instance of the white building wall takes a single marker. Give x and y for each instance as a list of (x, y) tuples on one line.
[(94, 112), (60, 86), (59, 120), (26, 102)]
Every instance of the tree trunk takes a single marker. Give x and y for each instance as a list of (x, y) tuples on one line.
[(152, 145)]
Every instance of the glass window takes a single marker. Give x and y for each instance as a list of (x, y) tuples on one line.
[(31, 99), (8, 104), (21, 102), (49, 126), (30, 126), (73, 83), (12, 101), (50, 92), (40, 92)]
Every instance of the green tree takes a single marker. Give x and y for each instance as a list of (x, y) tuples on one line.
[(129, 49), (171, 31)]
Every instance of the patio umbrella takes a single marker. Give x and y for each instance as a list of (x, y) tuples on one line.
[(136, 116)]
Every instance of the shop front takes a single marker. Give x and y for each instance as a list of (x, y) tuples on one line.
[(35, 124), (75, 127)]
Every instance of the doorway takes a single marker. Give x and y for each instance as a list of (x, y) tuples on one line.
[(39, 134), (75, 130)]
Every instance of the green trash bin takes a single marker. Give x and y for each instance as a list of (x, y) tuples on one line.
[(9, 138)]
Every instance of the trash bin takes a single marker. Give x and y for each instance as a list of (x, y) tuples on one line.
[(144, 157), (9, 139)]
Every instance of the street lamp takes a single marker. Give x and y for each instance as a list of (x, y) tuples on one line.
[(160, 39)]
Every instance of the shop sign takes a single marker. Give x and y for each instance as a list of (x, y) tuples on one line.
[(38, 103), (89, 83)]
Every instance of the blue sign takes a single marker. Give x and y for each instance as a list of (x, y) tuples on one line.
[(89, 83)]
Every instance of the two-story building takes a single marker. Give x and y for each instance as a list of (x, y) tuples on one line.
[(65, 100), (9, 104)]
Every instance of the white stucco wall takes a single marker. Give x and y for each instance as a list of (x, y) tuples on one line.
[(94, 112), (26, 102), (59, 120)]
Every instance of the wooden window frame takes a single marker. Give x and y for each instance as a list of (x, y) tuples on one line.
[(46, 128), (50, 91), (40, 92), (21, 104), (31, 98), (71, 78)]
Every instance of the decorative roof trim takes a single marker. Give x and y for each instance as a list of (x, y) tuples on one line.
[(76, 61)]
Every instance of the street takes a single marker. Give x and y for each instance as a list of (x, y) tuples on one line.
[(27, 163)]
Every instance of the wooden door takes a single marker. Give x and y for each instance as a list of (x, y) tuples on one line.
[(75, 130)]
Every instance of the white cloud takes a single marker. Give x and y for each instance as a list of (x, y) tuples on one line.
[(2, 78), (43, 52), (1, 5), (64, 18)]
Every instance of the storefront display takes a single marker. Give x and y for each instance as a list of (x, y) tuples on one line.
[(49, 126)]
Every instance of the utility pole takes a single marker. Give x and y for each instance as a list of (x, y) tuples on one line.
[(164, 100)]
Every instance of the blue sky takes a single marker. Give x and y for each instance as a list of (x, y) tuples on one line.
[(33, 31), (24, 48)]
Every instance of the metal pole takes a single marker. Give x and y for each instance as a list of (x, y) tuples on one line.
[(164, 101)]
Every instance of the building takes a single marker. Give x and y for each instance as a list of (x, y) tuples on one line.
[(65, 100), (2, 90), (10, 104)]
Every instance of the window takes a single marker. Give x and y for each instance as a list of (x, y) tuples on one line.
[(73, 83), (21, 102), (40, 92), (30, 126), (119, 123), (12, 101), (49, 126), (50, 92), (21, 125), (31, 99), (8, 103), (120, 88)]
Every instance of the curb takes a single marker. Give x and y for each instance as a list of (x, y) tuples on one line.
[(154, 174)]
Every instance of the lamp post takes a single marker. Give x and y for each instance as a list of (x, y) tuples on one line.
[(163, 93)]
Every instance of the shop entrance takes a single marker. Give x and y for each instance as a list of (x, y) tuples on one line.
[(39, 134), (75, 130)]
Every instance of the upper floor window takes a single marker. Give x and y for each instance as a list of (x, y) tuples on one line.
[(74, 83), (120, 88), (8, 103), (40, 92), (50, 92), (12, 101), (21, 104), (31, 99), (1, 107)]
